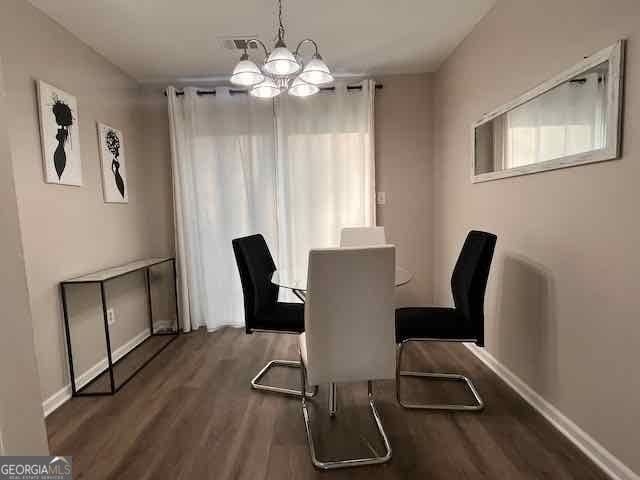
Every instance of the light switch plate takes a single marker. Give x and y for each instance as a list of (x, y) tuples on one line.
[(111, 316), (381, 198)]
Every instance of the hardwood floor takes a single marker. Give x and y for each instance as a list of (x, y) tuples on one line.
[(123, 369), (191, 414)]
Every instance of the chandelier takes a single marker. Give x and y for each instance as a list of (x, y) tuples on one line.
[(281, 69)]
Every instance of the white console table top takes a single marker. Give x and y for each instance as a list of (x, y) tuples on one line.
[(109, 273)]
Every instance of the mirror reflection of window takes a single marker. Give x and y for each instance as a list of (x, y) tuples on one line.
[(566, 120)]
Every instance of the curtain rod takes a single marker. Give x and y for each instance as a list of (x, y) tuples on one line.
[(242, 92)]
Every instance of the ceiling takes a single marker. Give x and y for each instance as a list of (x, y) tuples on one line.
[(167, 40)]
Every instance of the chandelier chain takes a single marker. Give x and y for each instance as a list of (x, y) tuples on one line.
[(280, 25)]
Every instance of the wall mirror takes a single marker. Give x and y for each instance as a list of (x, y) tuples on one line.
[(572, 119)]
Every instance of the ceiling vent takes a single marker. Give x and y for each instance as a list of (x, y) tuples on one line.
[(238, 42)]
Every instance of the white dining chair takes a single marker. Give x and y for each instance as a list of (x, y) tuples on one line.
[(349, 329), (362, 236)]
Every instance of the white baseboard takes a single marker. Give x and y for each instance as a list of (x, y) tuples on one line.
[(162, 325), (611, 465), (64, 394)]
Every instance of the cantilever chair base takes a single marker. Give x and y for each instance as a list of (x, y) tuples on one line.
[(256, 385), (354, 462), (477, 406)]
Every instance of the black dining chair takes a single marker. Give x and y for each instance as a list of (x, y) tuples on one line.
[(262, 311), (463, 323)]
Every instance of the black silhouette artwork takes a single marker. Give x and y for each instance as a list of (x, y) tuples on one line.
[(64, 120), (113, 145), (59, 135)]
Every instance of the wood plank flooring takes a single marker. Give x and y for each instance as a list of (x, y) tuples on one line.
[(127, 365), (191, 414)]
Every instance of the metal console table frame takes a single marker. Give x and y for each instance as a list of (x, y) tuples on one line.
[(100, 278)]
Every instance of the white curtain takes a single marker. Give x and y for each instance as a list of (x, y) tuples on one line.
[(567, 120), (223, 161), (325, 169), (295, 170)]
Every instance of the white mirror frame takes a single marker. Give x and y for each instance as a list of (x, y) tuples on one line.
[(615, 56)]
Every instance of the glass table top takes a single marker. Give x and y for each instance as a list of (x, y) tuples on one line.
[(297, 280)]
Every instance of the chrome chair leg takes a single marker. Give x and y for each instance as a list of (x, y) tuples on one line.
[(477, 406), (256, 385), (355, 462), (333, 405)]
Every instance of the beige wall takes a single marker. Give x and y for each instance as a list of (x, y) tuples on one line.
[(157, 151), (70, 230), (403, 127), (562, 304), (21, 425)]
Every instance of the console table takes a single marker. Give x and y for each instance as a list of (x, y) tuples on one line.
[(100, 278)]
